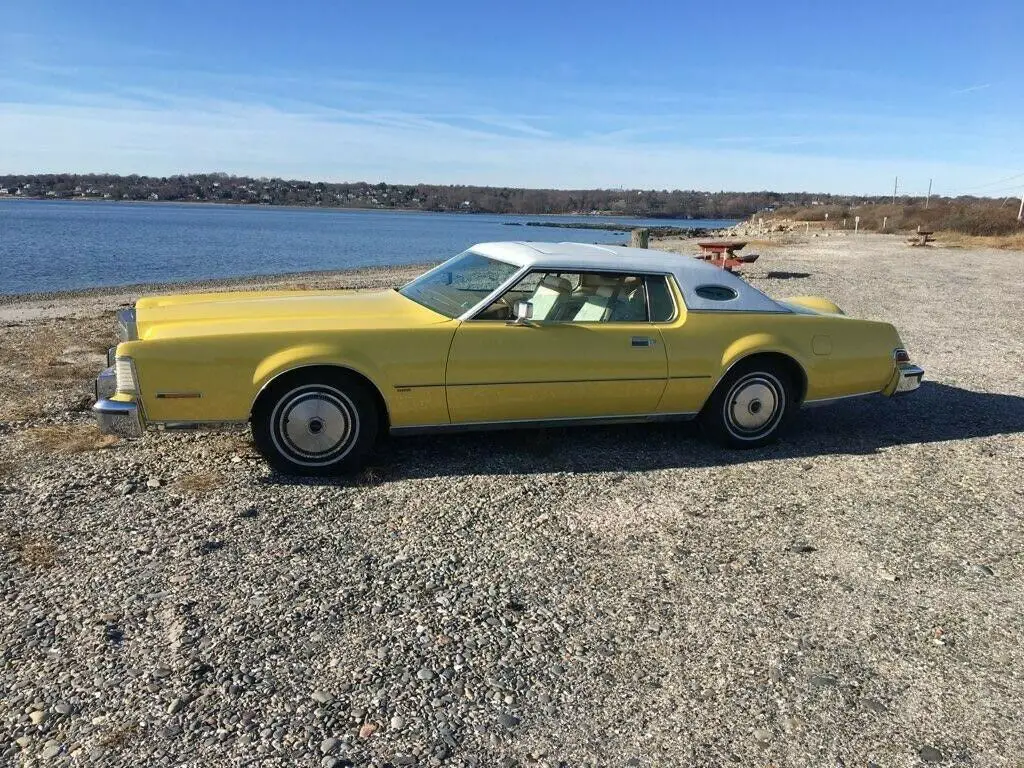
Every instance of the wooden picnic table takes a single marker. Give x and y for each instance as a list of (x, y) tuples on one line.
[(923, 237), (722, 253)]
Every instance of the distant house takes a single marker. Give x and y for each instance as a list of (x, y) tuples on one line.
[(3, 191), (154, 196)]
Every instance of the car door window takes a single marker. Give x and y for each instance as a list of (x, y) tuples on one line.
[(587, 297)]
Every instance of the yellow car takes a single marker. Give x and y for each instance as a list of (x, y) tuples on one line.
[(504, 334)]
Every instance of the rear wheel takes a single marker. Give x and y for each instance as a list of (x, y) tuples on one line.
[(319, 423), (750, 406)]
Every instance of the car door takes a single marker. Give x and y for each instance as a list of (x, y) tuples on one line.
[(589, 352)]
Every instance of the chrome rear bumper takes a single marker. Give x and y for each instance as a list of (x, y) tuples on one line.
[(117, 418), (910, 378)]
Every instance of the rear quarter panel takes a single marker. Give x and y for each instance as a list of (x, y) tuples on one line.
[(839, 355)]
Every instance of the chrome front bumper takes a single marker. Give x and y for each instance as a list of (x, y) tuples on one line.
[(113, 416), (910, 378), (106, 384), (117, 418)]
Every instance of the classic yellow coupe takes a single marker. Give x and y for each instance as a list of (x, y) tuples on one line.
[(504, 334)]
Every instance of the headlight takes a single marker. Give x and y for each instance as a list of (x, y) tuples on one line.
[(127, 329), (125, 373)]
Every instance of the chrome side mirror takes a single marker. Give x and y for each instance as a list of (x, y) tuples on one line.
[(523, 311)]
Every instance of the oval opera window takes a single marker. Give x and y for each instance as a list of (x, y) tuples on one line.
[(715, 292)]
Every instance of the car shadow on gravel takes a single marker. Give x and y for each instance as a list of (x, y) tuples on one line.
[(935, 413)]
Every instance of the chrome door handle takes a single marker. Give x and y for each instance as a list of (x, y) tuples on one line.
[(642, 341)]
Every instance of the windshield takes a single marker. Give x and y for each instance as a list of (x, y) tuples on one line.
[(458, 284)]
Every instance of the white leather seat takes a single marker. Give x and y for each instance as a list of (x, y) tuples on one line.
[(549, 294), (595, 308)]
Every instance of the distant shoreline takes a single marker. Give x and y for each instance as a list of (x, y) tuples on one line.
[(269, 206)]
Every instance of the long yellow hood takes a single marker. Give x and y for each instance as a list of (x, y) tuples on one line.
[(206, 314)]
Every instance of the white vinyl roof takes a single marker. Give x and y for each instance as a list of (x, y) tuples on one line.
[(690, 273)]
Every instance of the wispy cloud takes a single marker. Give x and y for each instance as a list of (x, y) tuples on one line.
[(259, 140), (971, 88)]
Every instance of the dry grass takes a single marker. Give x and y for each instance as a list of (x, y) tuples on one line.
[(30, 551), (199, 482), (980, 218), (68, 438), (7, 468), (48, 367), (1002, 242)]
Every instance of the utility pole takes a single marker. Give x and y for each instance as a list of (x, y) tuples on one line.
[(929, 197), (894, 185), (1020, 211)]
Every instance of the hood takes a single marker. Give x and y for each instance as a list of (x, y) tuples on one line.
[(202, 314)]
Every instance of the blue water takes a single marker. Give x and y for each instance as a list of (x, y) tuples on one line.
[(57, 245)]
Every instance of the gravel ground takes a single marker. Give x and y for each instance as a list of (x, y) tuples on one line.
[(608, 596)]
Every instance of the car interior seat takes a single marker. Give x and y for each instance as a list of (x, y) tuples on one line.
[(550, 293)]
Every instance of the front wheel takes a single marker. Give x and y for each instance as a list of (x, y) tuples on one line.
[(316, 424), (750, 406)]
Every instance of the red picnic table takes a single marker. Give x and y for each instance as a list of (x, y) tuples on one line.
[(722, 253)]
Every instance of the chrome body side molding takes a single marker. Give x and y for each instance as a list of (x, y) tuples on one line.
[(830, 400), (576, 421)]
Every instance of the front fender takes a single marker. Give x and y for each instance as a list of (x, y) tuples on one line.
[(306, 355)]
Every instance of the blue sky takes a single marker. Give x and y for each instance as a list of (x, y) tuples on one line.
[(831, 97)]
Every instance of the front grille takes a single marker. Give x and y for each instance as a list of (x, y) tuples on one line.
[(125, 375)]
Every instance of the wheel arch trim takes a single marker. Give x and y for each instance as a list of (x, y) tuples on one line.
[(750, 347), (277, 375)]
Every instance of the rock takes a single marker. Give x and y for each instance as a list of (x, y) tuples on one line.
[(931, 755), (762, 735), (886, 576), (209, 546), (322, 697), (823, 681), (875, 705), (50, 751), (980, 570), (404, 760), (62, 708), (248, 512), (425, 674), (367, 730), (38, 717), (397, 723), (802, 548), (507, 720), (153, 482), (175, 706), (23, 741), (328, 745)]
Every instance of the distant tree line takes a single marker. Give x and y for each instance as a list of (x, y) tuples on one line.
[(222, 188)]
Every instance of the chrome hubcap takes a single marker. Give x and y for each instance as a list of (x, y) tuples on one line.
[(314, 425), (754, 406)]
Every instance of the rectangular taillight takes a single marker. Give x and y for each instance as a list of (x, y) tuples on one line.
[(125, 375), (901, 355)]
